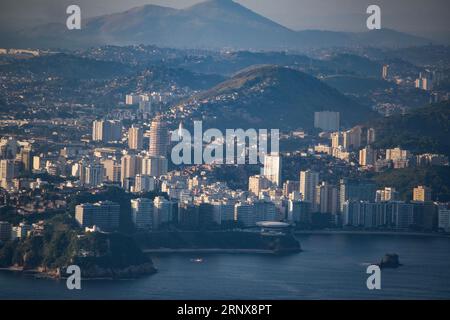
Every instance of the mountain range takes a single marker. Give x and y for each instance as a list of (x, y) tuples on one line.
[(213, 24)]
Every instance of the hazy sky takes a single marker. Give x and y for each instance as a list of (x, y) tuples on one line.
[(423, 17)]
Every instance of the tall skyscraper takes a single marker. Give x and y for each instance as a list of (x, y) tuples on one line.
[(159, 139), (135, 138), (308, 182), (272, 168), (326, 120), (422, 194)]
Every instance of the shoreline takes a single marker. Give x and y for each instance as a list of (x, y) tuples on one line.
[(381, 233)]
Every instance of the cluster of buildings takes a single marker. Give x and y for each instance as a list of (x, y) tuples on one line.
[(356, 145), (8, 232)]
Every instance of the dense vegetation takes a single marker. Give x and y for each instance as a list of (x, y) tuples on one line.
[(421, 131), (54, 248), (404, 180), (60, 245), (275, 97)]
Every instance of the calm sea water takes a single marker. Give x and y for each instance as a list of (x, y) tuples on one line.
[(330, 267)]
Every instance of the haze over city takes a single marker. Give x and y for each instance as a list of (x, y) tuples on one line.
[(225, 150), (428, 20)]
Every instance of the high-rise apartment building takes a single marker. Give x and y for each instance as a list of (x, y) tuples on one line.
[(142, 213), (154, 166), (104, 214), (130, 166), (327, 198), (135, 138), (92, 175), (106, 130), (159, 139), (272, 168), (358, 190), (308, 182)]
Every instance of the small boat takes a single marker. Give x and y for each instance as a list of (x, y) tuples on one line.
[(197, 260)]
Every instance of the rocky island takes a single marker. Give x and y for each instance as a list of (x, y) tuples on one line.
[(99, 255), (390, 260)]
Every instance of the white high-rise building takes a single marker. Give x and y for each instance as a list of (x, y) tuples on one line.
[(163, 211), (326, 120), (308, 182), (142, 213), (272, 168)]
